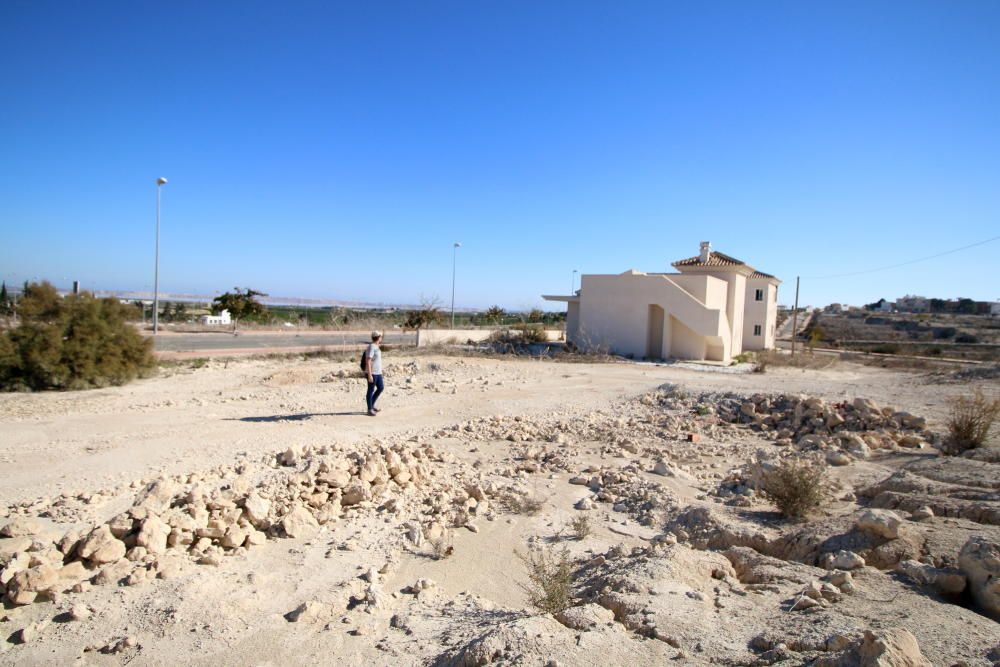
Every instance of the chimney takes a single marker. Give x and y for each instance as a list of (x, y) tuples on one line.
[(706, 251)]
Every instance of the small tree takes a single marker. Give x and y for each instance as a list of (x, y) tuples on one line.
[(428, 314), (494, 315), (241, 304), (536, 315), (71, 343)]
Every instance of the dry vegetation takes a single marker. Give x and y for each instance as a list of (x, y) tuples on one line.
[(971, 420)]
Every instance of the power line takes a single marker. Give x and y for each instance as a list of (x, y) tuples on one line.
[(912, 261)]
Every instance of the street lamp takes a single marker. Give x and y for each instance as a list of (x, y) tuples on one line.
[(156, 272), (572, 289), (454, 260)]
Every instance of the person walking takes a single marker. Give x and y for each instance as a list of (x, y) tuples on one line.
[(373, 370)]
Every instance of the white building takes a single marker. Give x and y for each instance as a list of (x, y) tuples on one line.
[(714, 308), (913, 304), (221, 319)]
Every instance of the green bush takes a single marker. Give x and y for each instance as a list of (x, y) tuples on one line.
[(71, 343), (797, 487), (550, 579)]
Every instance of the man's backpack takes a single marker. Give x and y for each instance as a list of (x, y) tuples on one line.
[(364, 357)]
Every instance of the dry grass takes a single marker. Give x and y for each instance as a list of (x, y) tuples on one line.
[(550, 579), (797, 486), (581, 527), (802, 359), (526, 504), (970, 421)]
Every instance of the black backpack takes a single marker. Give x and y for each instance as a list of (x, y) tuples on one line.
[(364, 356)]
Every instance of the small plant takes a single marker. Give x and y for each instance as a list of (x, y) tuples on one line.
[(703, 410), (530, 505), (550, 579), (581, 527), (797, 486), (743, 358), (441, 546), (970, 421)]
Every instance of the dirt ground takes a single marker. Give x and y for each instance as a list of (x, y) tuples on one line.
[(394, 539)]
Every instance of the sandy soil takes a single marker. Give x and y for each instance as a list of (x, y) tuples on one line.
[(502, 429)]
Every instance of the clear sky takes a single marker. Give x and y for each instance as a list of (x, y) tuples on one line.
[(337, 150)]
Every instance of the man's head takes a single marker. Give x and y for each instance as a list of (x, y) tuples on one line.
[(376, 336)]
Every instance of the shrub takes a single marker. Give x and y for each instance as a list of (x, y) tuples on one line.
[(970, 421), (441, 546), (550, 579), (71, 343), (529, 505), (796, 486), (581, 526), (743, 358)]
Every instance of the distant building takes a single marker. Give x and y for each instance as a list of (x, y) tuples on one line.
[(834, 308), (221, 319), (713, 309), (913, 304), (995, 309)]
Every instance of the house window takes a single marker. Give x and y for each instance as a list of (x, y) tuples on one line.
[(758, 295), (756, 330)]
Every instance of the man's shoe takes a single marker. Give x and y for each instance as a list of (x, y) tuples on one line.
[(372, 413), (376, 409)]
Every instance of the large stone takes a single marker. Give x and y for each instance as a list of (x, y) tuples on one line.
[(356, 493), (843, 560), (311, 612), (979, 560), (100, 546), (27, 584), (256, 509), (585, 617), (299, 522), (153, 535), (158, 495), (945, 581), (896, 647), (22, 527), (883, 523)]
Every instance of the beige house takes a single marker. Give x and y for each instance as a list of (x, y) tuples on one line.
[(714, 308)]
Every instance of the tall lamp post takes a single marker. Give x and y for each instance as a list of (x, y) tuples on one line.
[(572, 289), (156, 271), (454, 262)]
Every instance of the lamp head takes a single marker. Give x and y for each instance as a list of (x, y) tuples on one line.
[(161, 181), (457, 244)]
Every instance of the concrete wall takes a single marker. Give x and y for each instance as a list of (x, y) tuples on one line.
[(615, 312), (572, 320), (764, 313)]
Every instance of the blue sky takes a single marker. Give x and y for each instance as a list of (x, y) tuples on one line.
[(338, 149)]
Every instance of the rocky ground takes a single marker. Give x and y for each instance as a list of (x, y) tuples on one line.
[(247, 513)]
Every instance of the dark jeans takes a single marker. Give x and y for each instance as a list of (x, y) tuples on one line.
[(375, 389)]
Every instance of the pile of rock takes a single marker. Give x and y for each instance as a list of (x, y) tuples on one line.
[(852, 429), (626, 490), (205, 518)]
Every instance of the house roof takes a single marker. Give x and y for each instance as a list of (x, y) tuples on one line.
[(714, 259), (761, 274)]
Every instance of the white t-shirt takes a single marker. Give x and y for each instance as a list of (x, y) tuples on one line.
[(375, 354)]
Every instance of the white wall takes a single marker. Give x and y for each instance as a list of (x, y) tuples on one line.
[(764, 313), (614, 314)]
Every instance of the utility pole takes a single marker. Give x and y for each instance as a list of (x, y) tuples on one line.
[(795, 315), (156, 271)]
